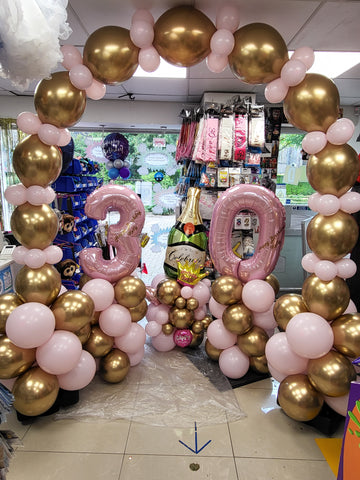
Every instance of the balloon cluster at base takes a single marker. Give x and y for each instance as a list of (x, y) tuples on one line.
[(116, 149)]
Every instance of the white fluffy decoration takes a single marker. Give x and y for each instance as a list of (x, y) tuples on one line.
[(29, 39)]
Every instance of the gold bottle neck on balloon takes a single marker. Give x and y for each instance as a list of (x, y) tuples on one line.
[(191, 212)]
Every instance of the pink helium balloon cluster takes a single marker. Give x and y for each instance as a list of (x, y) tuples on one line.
[(30, 123), (338, 133), (35, 194), (36, 258), (327, 270), (142, 35)]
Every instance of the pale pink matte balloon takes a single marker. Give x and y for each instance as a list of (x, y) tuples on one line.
[(351, 308), (309, 335), (228, 17), (282, 357), (53, 254), (142, 15), (30, 325), (60, 354), (49, 134), (306, 55), (149, 59), (132, 340), (49, 195), (216, 308), (115, 320), (65, 137), (350, 202), (233, 362), (340, 131), (158, 313), (28, 122), (328, 204), (313, 201), (153, 328), (135, 358), (346, 268), (16, 194), (325, 270), (163, 343), (202, 293), (338, 404), (206, 281), (275, 373), (96, 91), (314, 142), (216, 63), (19, 255), (71, 56), (36, 195), (309, 262), (276, 91), (293, 72), (80, 76), (219, 336), (222, 42), (265, 320), (101, 291), (157, 279), (81, 375), (200, 313), (142, 33), (258, 295), (186, 292), (35, 258)]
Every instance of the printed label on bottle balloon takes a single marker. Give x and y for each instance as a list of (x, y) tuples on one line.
[(184, 253)]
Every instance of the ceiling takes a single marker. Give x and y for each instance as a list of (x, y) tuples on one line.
[(321, 25)]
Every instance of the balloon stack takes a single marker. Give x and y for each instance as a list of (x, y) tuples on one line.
[(116, 149)]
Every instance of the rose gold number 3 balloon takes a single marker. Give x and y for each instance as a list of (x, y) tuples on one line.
[(124, 235), (271, 215)]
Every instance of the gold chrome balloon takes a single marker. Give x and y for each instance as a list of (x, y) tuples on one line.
[(197, 326), (327, 299), (36, 163), (40, 285), (237, 318), (99, 344), (84, 333), (346, 330), (130, 291), (73, 310), (110, 55), (206, 321), (299, 399), (139, 311), (197, 339), (34, 226), (253, 342), (167, 328), (84, 279), (181, 317), (58, 102), (259, 364), (8, 303), (286, 307), (14, 360), (332, 237), (192, 303), (212, 352), (227, 290), (259, 53), (274, 282), (35, 392), (313, 104), (168, 291), (180, 302), (331, 374), (95, 318), (323, 169), (114, 366), (182, 36)]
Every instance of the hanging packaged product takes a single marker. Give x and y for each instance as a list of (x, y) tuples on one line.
[(211, 134), (198, 153), (240, 133), (257, 127), (226, 134)]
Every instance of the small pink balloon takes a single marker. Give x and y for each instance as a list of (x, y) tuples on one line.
[(96, 91), (325, 270), (182, 337), (313, 201), (340, 131), (216, 308), (80, 76), (132, 340), (101, 291), (258, 295), (65, 137), (35, 258), (202, 293), (314, 142), (28, 122), (228, 17), (142, 15), (338, 404), (49, 134), (153, 328), (305, 55), (280, 355), (206, 281), (233, 362), (328, 204), (222, 42), (350, 202), (54, 254), (30, 325), (163, 343), (16, 194), (115, 320), (265, 320), (351, 308), (293, 72), (276, 374), (200, 313), (60, 354), (158, 313), (216, 63), (81, 375), (309, 262), (36, 195), (219, 336), (49, 195), (135, 358), (346, 268), (276, 91), (149, 59), (142, 33), (71, 56), (19, 255), (186, 292)]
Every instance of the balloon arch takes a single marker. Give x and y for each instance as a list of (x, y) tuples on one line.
[(311, 356)]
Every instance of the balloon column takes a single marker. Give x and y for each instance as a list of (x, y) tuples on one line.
[(116, 149)]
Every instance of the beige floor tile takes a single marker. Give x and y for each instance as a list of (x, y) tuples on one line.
[(61, 466), (147, 440), (154, 467), (268, 469), (72, 436)]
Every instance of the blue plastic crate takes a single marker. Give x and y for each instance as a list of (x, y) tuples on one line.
[(67, 184)]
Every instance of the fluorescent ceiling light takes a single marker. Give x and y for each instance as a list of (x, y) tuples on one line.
[(165, 70), (333, 64)]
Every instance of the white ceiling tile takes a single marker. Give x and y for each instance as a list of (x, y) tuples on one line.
[(198, 86), (157, 86)]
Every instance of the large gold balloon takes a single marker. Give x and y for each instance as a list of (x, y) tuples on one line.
[(299, 399), (206, 321), (227, 290), (14, 360), (346, 330), (130, 291), (36, 163), (182, 36), (331, 374), (139, 311), (212, 352), (323, 169), (181, 317), (259, 53), (253, 342), (40, 285), (168, 291), (180, 302), (332, 237), (237, 318), (99, 344), (114, 366), (286, 307), (259, 364), (197, 326), (34, 226), (58, 102), (274, 282), (110, 55), (95, 318), (313, 104), (84, 279), (84, 333), (327, 299), (196, 340), (35, 392), (72, 310), (8, 303)]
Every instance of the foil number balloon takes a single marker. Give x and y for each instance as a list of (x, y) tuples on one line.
[(124, 235), (271, 215)]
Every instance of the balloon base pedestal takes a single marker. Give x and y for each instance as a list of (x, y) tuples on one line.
[(250, 377), (65, 398), (327, 421)]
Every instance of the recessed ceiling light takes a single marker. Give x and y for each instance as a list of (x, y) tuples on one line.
[(165, 70)]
